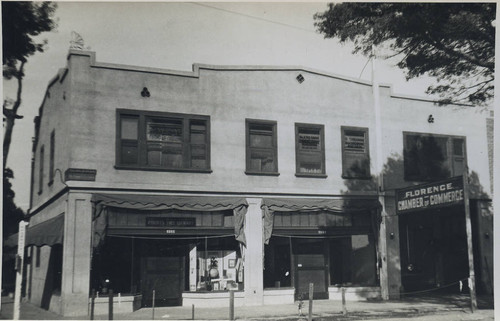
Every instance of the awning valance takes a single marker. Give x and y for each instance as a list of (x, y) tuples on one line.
[(50, 232), (162, 202), (166, 202), (343, 205), (312, 204)]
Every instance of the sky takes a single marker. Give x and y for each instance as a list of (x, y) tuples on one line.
[(175, 35)]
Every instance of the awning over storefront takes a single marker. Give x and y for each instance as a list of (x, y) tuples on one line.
[(167, 202), (48, 233), (343, 205)]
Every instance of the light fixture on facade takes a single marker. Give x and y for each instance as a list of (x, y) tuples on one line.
[(430, 119), (300, 78)]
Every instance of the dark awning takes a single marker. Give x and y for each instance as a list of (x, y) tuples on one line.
[(312, 204), (343, 205), (165, 202), (162, 202), (49, 232)]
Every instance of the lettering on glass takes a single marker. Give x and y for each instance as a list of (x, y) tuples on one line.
[(354, 141)]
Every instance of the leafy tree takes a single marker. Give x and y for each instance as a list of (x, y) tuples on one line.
[(21, 22), (12, 214), (454, 42)]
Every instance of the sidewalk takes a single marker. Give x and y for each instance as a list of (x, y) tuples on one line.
[(456, 307)]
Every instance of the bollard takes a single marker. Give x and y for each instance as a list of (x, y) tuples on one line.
[(153, 305), (231, 305), (344, 309), (92, 303), (192, 311), (110, 311), (311, 293)]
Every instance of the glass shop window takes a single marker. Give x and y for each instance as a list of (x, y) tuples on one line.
[(353, 261), (218, 266)]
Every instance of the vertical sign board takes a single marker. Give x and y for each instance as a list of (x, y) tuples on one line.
[(19, 268), (192, 268)]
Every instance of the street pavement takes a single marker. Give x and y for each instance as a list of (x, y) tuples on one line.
[(422, 308)]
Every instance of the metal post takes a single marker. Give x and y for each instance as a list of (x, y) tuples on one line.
[(231, 305), (192, 311), (110, 305), (21, 238), (344, 309), (153, 304), (311, 293), (92, 304)]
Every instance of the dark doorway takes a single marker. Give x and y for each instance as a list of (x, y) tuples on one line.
[(164, 275), (433, 250), (310, 257)]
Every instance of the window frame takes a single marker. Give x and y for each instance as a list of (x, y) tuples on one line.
[(366, 153), (299, 152), (450, 154), (51, 157), (142, 118), (274, 125), (40, 169)]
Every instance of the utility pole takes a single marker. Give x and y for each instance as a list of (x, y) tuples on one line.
[(379, 161)]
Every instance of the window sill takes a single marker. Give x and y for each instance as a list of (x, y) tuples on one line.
[(311, 175), (362, 178), (262, 173), (159, 169)]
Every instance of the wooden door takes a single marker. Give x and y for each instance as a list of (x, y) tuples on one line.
[(165, 275), (311, 266)]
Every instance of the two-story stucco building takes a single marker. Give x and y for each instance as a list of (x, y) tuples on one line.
[(255, 179)]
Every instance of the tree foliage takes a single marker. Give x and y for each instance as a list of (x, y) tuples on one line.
[(12, 214), (453, 42), (22, 21)]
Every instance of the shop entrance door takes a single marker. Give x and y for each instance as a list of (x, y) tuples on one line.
[(311, 266), (165, 275)]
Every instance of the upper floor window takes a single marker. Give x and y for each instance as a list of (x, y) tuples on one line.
[(430, 157), (40, 169), (51, 160), (261, 147), (309, 150), (355, 153), (163, 141)]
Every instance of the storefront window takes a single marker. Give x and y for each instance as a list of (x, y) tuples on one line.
[(352, 261)]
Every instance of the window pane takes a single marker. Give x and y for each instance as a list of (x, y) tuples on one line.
[(198, 132), (172, 156), (129, 153), (309, 139), (261, 135), (129, 128), (262, 161), (355, 155), (354, 141), (310, 163), (426, 158), (198, 156), (166, 130), (458, 147)]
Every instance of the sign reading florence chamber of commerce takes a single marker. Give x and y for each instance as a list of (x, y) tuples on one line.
[(426, 196)]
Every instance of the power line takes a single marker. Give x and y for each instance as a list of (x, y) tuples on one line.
[(253, 17)]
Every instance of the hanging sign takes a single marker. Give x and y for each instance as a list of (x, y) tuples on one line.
[(432, 195)]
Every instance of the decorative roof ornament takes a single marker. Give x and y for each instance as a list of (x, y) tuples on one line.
[(76, 42)]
